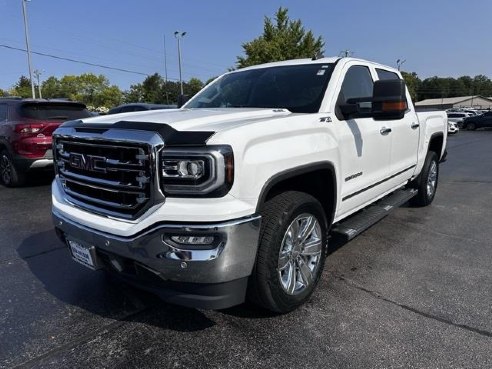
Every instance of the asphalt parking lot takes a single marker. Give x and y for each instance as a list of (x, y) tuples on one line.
[(413, 291)]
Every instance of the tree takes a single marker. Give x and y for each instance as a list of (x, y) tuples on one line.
[(22, 88), (135, 94), (152, 89), (91, 89), (413, 83), (282, 39), (193, 86), (3, 93), (51, 88)]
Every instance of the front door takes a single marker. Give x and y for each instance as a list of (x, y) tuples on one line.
[(365, 146)]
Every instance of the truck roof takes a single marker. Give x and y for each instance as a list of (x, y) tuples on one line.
[(325, 60)]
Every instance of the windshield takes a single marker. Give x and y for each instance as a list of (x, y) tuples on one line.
[(298, 88)]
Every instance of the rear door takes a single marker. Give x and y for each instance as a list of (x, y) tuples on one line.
[(404, 135)]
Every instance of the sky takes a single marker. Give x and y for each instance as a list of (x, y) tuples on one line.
[(435, 37)]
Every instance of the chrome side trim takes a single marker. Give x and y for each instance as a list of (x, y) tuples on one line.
[(158, 227)]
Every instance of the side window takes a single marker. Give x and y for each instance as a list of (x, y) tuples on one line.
[(384, 74), (357, 84), (3, 112)]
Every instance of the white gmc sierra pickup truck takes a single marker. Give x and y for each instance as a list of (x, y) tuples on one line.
[(235, 194)]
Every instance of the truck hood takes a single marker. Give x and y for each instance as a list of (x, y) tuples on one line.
[(215, 120)]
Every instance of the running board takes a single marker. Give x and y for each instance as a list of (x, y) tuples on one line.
[(360, 221)]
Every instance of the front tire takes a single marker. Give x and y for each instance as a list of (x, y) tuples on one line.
[(471, 126), (426, 183), (291, 254), (10, 176)]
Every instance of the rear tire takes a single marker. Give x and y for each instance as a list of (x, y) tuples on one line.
[(10, 176), (291, 254), (427, 181)]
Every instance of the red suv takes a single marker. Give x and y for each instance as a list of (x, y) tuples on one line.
[(26, 126)]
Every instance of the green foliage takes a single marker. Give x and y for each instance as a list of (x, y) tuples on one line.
[(157, 91), (91, 89), (22, 88), (3, 93), (192, 87), (413, 83), (282, 39), (438, 87)]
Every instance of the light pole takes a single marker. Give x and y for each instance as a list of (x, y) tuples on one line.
[(37, 73), (400, 62), (179, 35), (28, 47)]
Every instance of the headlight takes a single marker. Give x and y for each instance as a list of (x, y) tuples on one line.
[(197, 171)]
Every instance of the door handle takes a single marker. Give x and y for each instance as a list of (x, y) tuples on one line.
[(385, 130), (415, 125)]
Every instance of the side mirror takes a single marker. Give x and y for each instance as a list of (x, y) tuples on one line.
[(389, 100), (182, 99)]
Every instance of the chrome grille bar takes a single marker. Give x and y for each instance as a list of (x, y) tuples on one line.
[(109, 176)]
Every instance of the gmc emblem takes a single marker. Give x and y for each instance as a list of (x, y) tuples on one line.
[(90, 163)]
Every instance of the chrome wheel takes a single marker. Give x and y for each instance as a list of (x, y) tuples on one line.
[(432, 179), (300, 254), (5, 169)]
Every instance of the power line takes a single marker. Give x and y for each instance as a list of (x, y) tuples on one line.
[(75, 61)]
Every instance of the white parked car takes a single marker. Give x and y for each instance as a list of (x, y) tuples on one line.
[(458, 117), (453, 127)]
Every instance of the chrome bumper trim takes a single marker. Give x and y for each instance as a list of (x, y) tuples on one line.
[(41, 163), (231, 258)]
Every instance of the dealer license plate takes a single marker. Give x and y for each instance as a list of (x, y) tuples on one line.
[(82, 254)]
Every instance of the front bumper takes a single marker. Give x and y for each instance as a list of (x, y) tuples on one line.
[(210, 277)]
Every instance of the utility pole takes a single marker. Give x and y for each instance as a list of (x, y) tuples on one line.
[(179, 35), (28, 46), (37, 73), (165, 60), (165, 71)]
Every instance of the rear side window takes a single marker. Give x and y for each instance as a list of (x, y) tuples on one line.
[(3, 112), (385, 74), (53, 111)]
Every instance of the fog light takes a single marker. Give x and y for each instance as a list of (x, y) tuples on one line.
[(193, 240)]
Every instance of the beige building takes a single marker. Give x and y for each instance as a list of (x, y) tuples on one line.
[(478, 102)]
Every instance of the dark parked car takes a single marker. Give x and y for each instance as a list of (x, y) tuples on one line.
[(478, 121), (26, 126), (127, 108)]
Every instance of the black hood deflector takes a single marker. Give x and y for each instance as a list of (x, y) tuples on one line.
[(169, 135)]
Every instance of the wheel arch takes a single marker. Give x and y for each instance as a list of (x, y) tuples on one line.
[(436, 143), (316, 179)]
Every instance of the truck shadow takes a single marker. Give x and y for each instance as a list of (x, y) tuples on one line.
[(95, 292), (98, 293)]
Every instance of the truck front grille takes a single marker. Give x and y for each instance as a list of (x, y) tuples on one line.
[(105, 176)]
